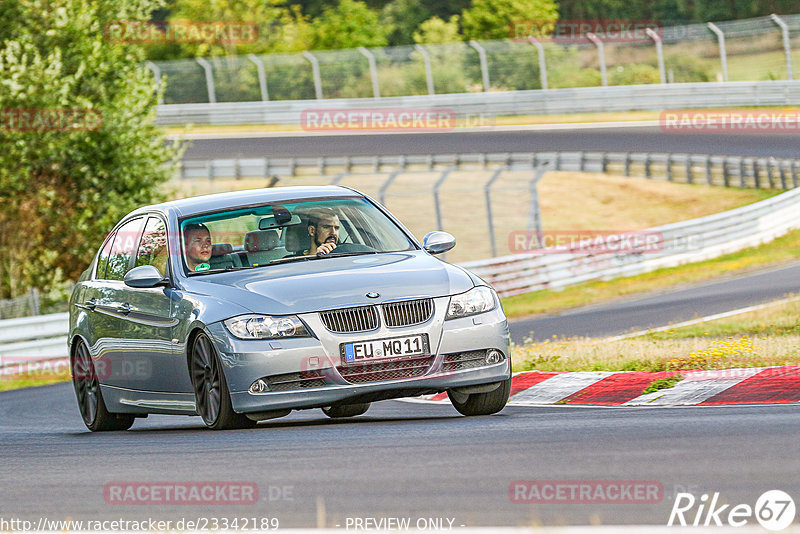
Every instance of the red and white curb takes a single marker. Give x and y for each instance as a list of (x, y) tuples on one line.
[(728, 386)]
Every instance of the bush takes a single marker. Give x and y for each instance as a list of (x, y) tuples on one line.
[(63, 190), (634, 74)]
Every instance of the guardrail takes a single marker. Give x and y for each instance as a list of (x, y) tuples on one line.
[(678, 243), (481, 106), (27, 342), (43, 338), (729, 171)]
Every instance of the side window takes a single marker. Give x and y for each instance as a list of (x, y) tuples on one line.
[(123, 248), (102, 260), (153, 246)]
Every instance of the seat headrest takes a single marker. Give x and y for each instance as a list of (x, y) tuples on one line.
[(297, 238), (220, 249), (261, 240)]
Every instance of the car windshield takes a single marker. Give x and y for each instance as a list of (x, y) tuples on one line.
[(244, 238)]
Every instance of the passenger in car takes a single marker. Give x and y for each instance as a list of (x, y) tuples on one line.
[(197, 244)]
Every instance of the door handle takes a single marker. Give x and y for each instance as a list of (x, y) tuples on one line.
[(124, 309), (91, 303)]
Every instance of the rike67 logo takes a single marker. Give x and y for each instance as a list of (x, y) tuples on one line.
[(774, 510)]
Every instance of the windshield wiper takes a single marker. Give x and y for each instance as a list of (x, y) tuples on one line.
[(343, 254), (290, 259)]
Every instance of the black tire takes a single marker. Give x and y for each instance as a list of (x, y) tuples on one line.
[(210, 388), (93, 409), (482, 403), (345, 410)]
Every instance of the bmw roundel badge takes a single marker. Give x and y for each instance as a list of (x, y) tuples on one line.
[(373, 295)]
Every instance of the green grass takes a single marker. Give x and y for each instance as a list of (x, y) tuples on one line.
[(780, 250), (663, 383), (769, 336), (31, 380)]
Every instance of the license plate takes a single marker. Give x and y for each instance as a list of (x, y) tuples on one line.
[(381, 349)]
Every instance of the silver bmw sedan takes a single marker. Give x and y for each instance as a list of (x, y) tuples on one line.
[(241, 307)]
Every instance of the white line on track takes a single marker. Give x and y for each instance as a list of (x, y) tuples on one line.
[(704, 319)]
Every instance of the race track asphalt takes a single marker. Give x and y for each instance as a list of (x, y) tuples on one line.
[(625, 139), (671, 305), (398, 460)]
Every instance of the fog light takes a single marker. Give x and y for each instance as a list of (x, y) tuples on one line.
[(259, 386), (494, 356)]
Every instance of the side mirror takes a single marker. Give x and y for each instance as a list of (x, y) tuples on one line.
[(438, 242), (143, 276)]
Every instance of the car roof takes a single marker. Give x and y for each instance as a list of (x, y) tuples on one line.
[(249, 197)]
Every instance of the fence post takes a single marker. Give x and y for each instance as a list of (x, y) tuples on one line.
[(157, 75), (373, 71), (725, 176), (723, 56), (542, 63), (756, 174), (689, 175), (709, 176), (386, 184), (315, 71), (771, 172), (627, 163), (669, 167), (436, 186), (794, 173), (34, 296), (601, 54), (787, 46), (484, 67), (428, 71), (535, 220), (487, 193), (212, 93), (338, 178), (660, 53), (647, 160), (782, 167), (262, 76)]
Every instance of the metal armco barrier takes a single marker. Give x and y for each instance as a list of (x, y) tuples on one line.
[(684, 242), (28, 341), (480, 106), (43, 337), (733, 171)]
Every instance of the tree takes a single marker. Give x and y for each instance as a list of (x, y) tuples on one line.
[(435, 30), (494, 19), (280, 28), (350, 25), (80, 148), (402, 18)]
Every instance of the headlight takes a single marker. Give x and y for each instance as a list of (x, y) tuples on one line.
[(477, 300), (266, 327)]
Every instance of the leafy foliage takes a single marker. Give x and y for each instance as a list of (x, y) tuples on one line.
[(62, 190), (349, 25), (493, 19)]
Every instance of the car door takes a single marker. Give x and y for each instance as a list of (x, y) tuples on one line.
[(154, 362)]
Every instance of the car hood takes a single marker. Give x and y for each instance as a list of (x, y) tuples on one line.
[(322, 284)]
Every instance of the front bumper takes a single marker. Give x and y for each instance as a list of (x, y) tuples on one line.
[(245, 361)]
